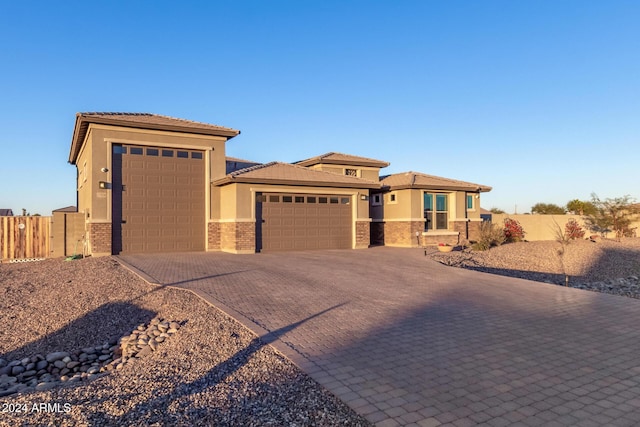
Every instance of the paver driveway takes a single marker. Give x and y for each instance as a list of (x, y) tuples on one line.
[(407, 341)]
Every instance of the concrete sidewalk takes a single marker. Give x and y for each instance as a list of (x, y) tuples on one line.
[(406, 341)]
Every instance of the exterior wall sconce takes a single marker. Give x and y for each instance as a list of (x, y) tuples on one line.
[(104, 185), (364, 197)]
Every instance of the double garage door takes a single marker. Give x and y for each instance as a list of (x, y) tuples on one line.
[(158, 199), (303, 221)]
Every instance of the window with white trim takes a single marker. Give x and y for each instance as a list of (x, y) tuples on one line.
[(376, 200)]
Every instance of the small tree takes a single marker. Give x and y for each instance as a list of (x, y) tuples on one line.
[(615, 215), (573, 230), (513, 231), (547, 209), (564, 240), (579, 207), (496, 211)]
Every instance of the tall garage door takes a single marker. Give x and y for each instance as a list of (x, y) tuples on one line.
[(158, 199), (304, 221)]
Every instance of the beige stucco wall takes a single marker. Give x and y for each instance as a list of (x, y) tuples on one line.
[(403, 208), (542, 227), (366, 172), (97, 151), (239, 201), (409, 207), (239, 198)]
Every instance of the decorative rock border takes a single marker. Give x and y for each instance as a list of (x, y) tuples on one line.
[(46, 372), (623, 286)]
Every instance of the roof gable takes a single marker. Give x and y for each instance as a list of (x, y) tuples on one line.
[(141, 121), (430, 182), (334, 158)]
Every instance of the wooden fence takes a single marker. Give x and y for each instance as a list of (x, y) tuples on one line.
[(23, 237)]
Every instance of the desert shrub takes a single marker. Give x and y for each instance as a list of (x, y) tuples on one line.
[(573, 230), (490, 235), (513, 231)]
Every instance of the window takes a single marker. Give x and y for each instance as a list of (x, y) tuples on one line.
[(351, 172), (167, 153), (470, 202), (393, 197), (84, 172), (183, 154), (287, 199), (311, 199), (274, 199), (152, 151), (344, 200), (119, 149), (322, 200), (376, 200), (299, 199), (196, 155), (136, 150), (333, 200), (435, 205)]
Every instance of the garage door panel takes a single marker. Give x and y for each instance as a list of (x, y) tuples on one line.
[(305, 223), (162, 204)]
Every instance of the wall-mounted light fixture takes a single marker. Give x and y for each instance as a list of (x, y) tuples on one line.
[(104, 185), (364, 197), (105, 170)]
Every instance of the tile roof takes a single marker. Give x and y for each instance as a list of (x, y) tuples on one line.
[(342, 159), (420, 180), (152, 120), (66, 209), (237, 160), (286, 173), (141, 121)]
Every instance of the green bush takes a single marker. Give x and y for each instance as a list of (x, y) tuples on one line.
[(490, 235)]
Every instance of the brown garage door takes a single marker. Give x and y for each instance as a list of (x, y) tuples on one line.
[(304, 221), (158, 199)]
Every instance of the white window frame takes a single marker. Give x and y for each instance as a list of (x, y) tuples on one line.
[(376, 199)]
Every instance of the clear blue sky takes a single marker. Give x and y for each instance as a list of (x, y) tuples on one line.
[(538, 99)]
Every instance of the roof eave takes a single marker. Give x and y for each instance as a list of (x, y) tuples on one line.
[(316, 161), (471, 189), (248, 180), (230, 133), (82, 124)]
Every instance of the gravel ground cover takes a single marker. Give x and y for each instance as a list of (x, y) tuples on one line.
[(605, 266), (213, 371)]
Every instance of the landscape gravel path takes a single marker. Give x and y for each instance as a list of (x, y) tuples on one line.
[(213, 371)]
